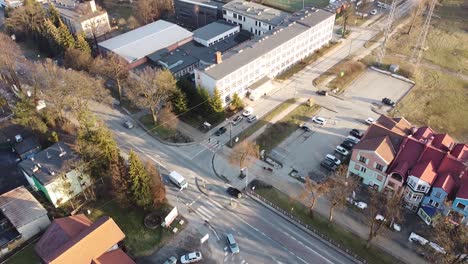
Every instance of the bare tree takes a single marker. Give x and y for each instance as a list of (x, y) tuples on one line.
[(77, 59), (311, 191), (167, 118), (244, 154), (152, 89), (10, 55), (151, 10), (341, 187), (452, 238), (157, 185), (112, 67)]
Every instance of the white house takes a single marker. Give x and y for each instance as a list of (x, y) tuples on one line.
[(244, 66), (21, 217), (253, 17), (52, 172)]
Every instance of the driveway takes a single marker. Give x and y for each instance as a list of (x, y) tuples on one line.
[(305, 150)]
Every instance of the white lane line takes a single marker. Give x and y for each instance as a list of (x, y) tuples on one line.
[(288, 235), (140, 150), (206, 211)]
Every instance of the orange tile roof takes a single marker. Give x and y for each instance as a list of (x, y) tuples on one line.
[(75, 239), (381, 145), (114, 256)]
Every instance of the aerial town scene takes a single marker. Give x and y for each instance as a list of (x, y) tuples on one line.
[(233, 131)]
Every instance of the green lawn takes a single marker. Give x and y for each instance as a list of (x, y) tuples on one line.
[(139, 240), (294, 5), (265, 119), (276, 133), (159, 130), (27, 255), (332, 231)]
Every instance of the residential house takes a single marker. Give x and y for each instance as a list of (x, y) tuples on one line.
[(75, 239), (433, 203), (83, 16), (27, 148), (53, 172), (21, 217), (460, 203)]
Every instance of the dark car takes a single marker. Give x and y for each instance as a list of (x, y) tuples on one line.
[(356, 133), (220, 131), (305, 127), (388, 101), (234, 192), (322, 92), (347, 145), (328, 164)]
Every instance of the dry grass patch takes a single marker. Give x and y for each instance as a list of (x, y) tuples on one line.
[(350, 68)]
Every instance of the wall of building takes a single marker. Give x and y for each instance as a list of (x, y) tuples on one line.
[(100, 23), (368, 171), (456, 207), (218, 38), (61, 190), (34, 227), (270, 64), (247, 23), (195, 15), (434, 201)]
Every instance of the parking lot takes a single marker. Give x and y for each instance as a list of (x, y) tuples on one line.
[(305, 150)]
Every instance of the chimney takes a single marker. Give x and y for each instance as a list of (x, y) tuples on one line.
[(92, 5), (218, 58)]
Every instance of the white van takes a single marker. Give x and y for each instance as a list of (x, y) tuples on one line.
[(178, 180)]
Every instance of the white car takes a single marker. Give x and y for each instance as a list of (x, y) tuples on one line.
[(191, 257), (333, 158), (373, 12), (370, 121), (319, 120), (247, 111), (397, 227), (360, 205), (341, 150), (380, 217)]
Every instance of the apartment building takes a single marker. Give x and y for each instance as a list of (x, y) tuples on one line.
[(253, 17), (240, 68)]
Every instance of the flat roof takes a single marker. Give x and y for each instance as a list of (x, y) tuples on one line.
[(140, 42), (205, 3), (213, 29), (251, 50), (257, 11), (78, 11)]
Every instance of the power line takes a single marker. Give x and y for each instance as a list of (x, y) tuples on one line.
[(416, 55), (388, 29)]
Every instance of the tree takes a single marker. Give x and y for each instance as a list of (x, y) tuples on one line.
[(347, 13), (341, 187), (10, 55), (66, 39), (119, 179), (82, 44), (25, 114), (452, 238), (203, 101), (311, 191), (237, 102), (151, 10), (152, 89), (54, 15), (51, 33), (140, 182), (167, 118), (114, 68), (132, 23), (3, 102), (377, 199), (179, 101), (157, 187), (216, 103), (244, 154), (77, 59), (26, 19)]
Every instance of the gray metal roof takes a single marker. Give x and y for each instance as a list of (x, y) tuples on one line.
[(256, 11), (251, 50), (138, 43), (20, 207), (213, 29), (50, 163), (206, 3)]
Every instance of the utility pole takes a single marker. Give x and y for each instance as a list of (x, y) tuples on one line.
[(416, 55), (387, 30)]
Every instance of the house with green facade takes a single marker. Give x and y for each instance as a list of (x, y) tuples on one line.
[(52, 171)]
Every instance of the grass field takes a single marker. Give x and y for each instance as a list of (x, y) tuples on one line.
[(27, 255), (139, 240), (332, 231), (279, 131), (294, 5)]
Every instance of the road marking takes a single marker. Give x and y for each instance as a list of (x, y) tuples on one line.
[(214, 206), (202, 215), (159, 163), (215, 202), (206, 211)]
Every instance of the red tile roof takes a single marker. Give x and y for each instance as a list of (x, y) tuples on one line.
[(446, 182), (376, 131), (76, 238), (380, 145), (398, 125), (460, 151), (423, 133), (443, 142), (114, 256), (424, 171), (463, 190)]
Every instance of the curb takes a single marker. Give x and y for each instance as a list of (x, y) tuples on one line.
[(222, 177), (198, 187), (322, 237)]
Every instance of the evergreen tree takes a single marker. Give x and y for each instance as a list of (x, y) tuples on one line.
[(25, 114), (179, 101), (82, 44), (203, 99), (66, 39), (140, 182), (216, 103), (237, 101), (54, 15), (51, 33)]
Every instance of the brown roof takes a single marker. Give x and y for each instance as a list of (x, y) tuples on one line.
[(381, 145), (20, 207), (114, 256), (377, 130), (75, 237), (398, 125)]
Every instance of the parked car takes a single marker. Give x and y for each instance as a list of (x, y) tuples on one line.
[(322, 92), (388, 101), (356, 133), (237, 120), (352, 139), (319, 120), (347, 145), (234, 192), (191, 257), (220, 131), (305, 127), (360, 205), (369, 121), (333, 158), (341, 150), (171, 260), (328, 164), (232, 244), (373, 12), (247, 111), (352, 142), (128, 124), (251, 118)]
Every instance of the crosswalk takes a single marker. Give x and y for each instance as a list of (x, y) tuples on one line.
[(211, 144), (209, 211)]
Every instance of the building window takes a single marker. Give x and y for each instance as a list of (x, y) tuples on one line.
[(461, 206), (421, 188), (240, 17), (227, 99), (379, 178), (362, 159), (379, 167), (224, 12), (431, 202), (437, 195), (235, 15), (363, 169), (436, 205)]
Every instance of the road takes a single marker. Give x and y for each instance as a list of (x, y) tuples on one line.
[(253, 225)]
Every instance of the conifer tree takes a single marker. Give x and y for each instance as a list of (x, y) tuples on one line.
[(216, 102), (119, 179), (237, 101), (82, 44), (53, 37), (140, 182), (66, 38), (54, 15), (179, 101)]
